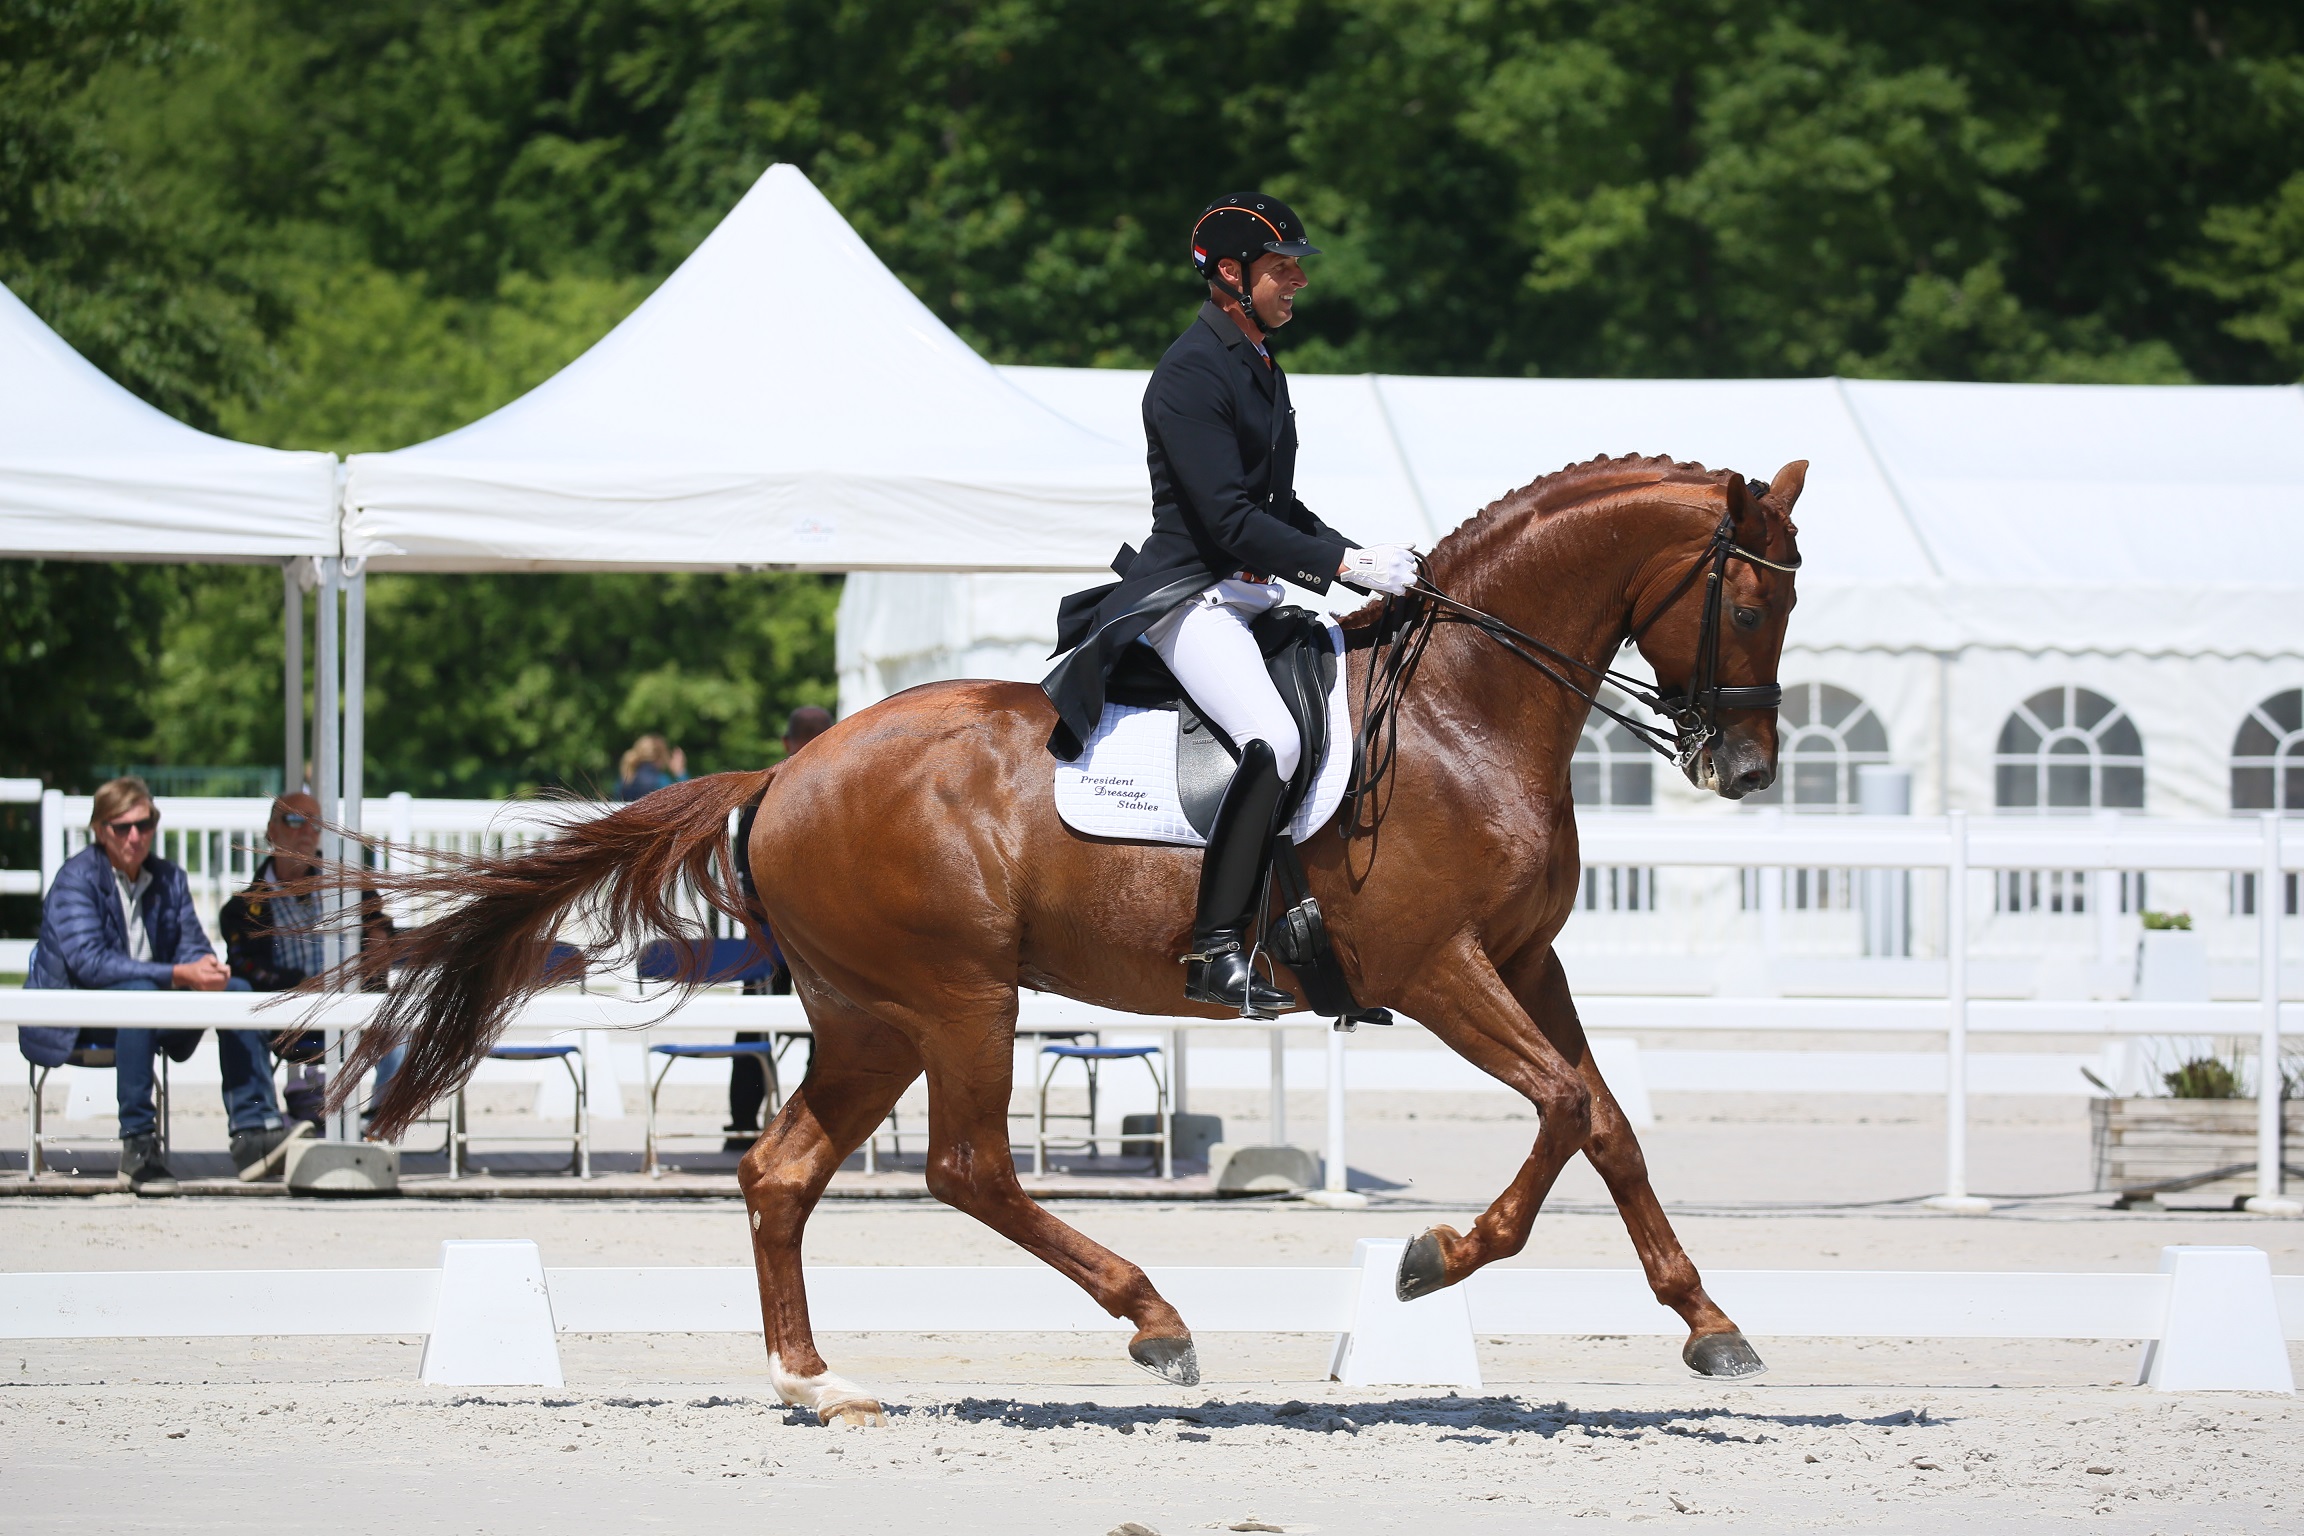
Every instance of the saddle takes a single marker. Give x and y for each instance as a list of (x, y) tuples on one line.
[(1302, 663)]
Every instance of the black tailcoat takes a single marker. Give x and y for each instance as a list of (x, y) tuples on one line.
[(1220, 438)]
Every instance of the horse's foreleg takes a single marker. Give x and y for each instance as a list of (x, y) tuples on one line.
[(1714, 1347), (857, 1069), (1482, 1021), (970, 1167)]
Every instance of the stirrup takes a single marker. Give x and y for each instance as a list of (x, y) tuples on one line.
[(1222, 975)]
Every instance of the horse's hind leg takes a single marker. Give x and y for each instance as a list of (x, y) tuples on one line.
[(857, 1069), (1715, 1347), (971, 1064)]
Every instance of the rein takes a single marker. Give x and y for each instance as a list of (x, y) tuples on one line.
[(1694, 714)]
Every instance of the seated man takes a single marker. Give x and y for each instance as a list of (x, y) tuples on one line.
[(273, 940), (120, 919)]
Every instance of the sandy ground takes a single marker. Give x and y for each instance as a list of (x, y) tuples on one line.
[(1058, 1433)]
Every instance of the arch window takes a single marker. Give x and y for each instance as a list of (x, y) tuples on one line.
[(1824, 735), (2268, 775), (1611, 770), (2268, 756), (2069, 749), (2066, 749)]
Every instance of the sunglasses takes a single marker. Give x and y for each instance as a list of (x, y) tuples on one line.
[(295, 820), (144, 825)]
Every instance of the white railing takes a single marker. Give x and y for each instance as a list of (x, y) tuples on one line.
[(1957, 852), (2212, 1318)]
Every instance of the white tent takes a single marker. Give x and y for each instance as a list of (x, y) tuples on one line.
[(782, 400), (89, 471)]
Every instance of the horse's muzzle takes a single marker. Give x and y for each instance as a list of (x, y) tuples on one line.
[(1735, 768)]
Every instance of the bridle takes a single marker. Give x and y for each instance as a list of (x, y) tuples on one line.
[(1405, 626)]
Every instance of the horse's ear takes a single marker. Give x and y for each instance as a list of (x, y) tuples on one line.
[(1786, 488)]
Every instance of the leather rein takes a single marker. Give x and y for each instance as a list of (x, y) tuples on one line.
[(1397, 641)]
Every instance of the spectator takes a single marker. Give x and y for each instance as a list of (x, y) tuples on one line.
[(651, 764), (273, 939), (747, 1079), (121, 919)]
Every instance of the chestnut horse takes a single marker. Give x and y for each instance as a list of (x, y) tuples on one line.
[(912, 867)]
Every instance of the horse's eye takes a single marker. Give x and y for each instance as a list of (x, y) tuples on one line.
[(1747, 618)]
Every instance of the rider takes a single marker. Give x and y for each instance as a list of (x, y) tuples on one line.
[(1226, 525)]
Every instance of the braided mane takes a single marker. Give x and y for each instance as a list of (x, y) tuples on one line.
[(1548, 495), (1564, 489)]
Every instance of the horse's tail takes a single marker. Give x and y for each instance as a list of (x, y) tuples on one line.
[(597, 886)]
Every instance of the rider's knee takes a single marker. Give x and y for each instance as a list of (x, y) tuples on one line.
[(1287, 751)]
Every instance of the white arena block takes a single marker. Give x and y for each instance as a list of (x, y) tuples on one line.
[(494, 1325), (1626, 1075), (1395, 1343), (2223, 1329)]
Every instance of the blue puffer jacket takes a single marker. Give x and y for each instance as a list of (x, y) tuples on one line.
[(84, 938)]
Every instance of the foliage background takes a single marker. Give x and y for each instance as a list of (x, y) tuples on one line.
[(354, 224)]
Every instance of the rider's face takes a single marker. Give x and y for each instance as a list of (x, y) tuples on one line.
[(1274, 282)]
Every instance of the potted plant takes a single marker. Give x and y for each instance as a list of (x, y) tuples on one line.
[(2197, 1140), (2171, 960)]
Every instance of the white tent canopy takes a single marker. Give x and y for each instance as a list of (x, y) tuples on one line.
[(1934, 513), (782, 400), (89, 470)]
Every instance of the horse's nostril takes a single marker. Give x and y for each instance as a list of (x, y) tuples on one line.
[(1753, 780)]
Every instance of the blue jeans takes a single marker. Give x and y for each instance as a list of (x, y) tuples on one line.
[(249, 1104)]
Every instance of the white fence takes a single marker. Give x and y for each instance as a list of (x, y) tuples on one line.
[(217, 839), (2212, 1318)]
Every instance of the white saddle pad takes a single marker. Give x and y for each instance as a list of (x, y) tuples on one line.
[(1124, 783)]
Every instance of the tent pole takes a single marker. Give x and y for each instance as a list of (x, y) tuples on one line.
[(355, 579), (328, 788), (353, 762), (292, 676)]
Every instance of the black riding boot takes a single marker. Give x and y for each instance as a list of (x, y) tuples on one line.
[(1231, 875)]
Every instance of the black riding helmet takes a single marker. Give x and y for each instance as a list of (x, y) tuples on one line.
[(1244, 226)]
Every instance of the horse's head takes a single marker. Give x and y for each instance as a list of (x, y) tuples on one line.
[(1724, 671)]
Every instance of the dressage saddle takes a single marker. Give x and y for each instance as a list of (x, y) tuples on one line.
[(1302, 661)]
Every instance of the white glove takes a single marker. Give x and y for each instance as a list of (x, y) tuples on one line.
[(1385, 568)]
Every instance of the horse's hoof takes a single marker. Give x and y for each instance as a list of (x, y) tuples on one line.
[(1174, 1361), (856, 1413), (1423, 1269), (1725, 1355)]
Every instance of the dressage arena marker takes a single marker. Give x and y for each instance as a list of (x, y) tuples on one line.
[(2211, 1319)]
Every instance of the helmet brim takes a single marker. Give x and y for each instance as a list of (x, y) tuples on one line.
[(1291, 248)]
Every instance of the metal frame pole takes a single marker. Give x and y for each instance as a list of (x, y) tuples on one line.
[(292, 677), (1279, 1086), (1956, 1198), (352, 577), (328, 785), (2271, 896), (1335, 1190)]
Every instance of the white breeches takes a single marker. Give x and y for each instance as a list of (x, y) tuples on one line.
[(1207, 645)]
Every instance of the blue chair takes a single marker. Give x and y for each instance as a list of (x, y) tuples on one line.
[(719, 960), (1092, 1057), (93, 1051), (571, 1058), (673, 1051)]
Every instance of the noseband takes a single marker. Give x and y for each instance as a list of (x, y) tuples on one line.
[(1694, 713)]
